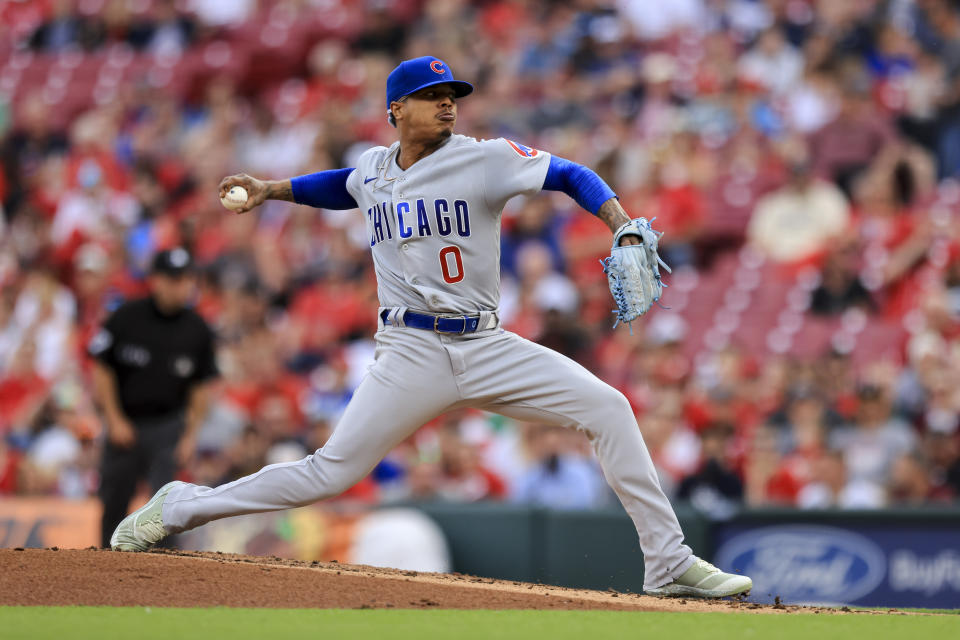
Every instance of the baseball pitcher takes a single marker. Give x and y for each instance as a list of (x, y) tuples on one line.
[(432, 203)]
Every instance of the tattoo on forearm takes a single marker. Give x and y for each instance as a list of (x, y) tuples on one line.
[(613, 214), (280, 190)]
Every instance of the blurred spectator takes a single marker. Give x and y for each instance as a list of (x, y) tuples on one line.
[(33, 139), (330, 391), (659, 115), (270, 149), (44, 314), (462, 476), (772, 63), (557, 477), (677, 204), (941, 455), (381, 32), (539, 290), (842, 149), (246, 455), (762, 460), (715, 488), (423, 480), (535, 221), (831, 489), (167, 32), (61, 457), (809, 103), (892, 226), (673, 445), (22, 390), (875, 439), (803, 444), (797, 222), (91, 209), (258, 383), (840, 287), (909, 481), (64, 28), (209, 468)]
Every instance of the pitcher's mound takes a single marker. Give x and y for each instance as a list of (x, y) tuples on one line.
[(189, 579)]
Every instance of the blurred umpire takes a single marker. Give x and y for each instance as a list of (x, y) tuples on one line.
[(154, 359)]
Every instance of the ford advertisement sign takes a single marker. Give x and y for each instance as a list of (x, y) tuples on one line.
[(860, 565)]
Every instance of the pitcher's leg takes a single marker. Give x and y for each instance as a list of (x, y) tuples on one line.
[(544, 386), (394, 400)]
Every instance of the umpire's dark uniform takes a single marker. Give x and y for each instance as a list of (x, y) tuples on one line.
[(157, 354)]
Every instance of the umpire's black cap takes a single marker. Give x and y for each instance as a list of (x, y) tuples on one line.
[(172, 262)]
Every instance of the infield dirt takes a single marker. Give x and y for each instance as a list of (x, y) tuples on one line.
[(164, 578)]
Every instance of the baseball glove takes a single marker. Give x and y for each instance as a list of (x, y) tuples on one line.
[(633, 271)]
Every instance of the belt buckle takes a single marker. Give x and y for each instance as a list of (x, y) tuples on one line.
[(436, 328)]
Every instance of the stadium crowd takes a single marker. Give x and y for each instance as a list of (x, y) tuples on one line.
[(797, 151)]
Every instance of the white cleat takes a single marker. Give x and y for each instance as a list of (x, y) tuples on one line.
[(144, 527), (703, 580)]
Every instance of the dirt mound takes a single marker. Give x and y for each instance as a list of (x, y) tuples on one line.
[(189, 579)]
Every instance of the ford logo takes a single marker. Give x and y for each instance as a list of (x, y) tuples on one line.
[(805, 563)]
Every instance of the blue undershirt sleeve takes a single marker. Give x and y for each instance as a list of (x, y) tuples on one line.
[(324, 189), (577, 181)]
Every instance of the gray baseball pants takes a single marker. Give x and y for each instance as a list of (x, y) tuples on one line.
[(418, 375)]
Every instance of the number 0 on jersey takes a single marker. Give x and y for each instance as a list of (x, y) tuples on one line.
[(445, 261)]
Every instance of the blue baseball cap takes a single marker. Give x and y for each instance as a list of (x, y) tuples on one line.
[(416, 74)]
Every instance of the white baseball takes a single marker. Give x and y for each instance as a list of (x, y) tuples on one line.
[(235, 198)]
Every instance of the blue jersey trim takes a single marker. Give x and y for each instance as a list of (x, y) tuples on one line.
[(577, 181), (324, 189)]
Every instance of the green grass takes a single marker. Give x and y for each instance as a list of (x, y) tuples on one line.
[(140, 623)]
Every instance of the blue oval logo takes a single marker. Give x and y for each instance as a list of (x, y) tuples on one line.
[(805, 563)]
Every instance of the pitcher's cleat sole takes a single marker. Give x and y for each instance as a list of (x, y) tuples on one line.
[(690, 592), (144, 527)]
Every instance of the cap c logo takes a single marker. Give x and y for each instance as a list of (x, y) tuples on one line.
[(437, 66)]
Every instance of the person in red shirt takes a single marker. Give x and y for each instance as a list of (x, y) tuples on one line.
[(330, 310), (678, 206), (463, 478)]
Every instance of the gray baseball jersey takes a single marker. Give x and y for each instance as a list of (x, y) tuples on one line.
[(435, 228), (435, 237)]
